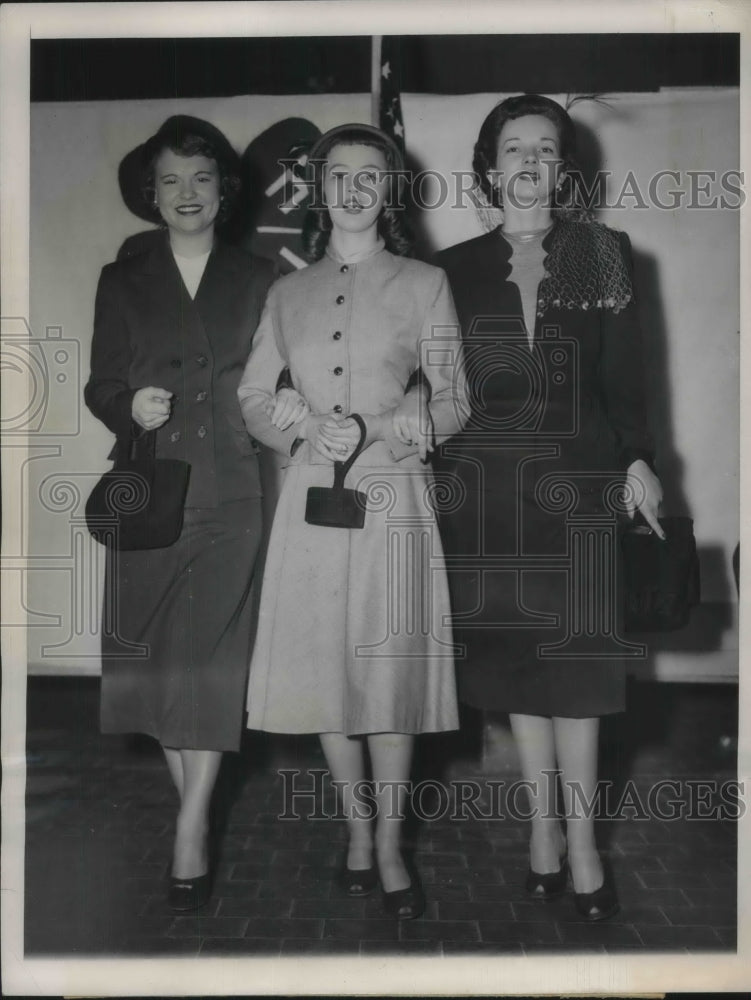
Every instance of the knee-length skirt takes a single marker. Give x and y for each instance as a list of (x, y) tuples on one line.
[(353, 631), (177, 632), (534, 597)]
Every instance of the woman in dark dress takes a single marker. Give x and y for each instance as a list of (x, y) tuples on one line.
[(173, 327), (557, 435)]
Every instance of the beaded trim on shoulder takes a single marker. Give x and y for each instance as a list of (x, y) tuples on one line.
[(584, 269)]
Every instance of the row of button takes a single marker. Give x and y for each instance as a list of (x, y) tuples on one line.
[(201, 360), (201, 396), (175, 435), (337, 335)]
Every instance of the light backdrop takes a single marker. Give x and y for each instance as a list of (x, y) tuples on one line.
[(687, 273)]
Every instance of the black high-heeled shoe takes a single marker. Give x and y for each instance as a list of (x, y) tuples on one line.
[(405, 904), (189, 893), (600, 904), (549, 885), (358, 881)]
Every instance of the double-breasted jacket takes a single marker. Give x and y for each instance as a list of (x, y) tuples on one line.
[(149, 332)]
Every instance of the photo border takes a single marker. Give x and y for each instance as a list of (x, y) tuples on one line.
[(396, 975)]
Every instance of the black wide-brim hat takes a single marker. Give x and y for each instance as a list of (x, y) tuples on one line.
[(131, 173)]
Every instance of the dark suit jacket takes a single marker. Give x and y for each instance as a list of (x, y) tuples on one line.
[(582, 389), (149, 332)]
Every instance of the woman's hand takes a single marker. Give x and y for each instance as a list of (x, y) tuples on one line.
[(413, 423), (342, 436), (337, 437), (644, 491), (322, 431), (151, 407), (287, 407)]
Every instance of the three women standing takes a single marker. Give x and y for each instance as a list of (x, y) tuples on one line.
[(352, 642), (172, 331), (554, 369)]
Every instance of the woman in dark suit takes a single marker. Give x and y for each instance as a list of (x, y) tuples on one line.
[(558, 430), (172, 330)]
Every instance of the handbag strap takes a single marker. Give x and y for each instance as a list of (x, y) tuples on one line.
[(342, 468), (132, 448)]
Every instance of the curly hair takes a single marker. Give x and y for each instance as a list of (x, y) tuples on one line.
[(189, 143), (567, 200), (392, 222)]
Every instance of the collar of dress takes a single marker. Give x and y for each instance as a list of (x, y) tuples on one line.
[(359, 256)]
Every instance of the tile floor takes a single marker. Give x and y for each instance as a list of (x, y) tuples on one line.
[(99, 826)]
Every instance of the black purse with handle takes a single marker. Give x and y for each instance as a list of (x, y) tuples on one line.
[(661, 577), (334, 506), (140, 502)]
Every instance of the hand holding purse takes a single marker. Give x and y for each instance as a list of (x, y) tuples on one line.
[(337, 507), (139, 503), (661, 577)]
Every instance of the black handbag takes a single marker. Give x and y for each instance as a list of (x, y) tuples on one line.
[(661, 578), (337, 507), (140, 502)]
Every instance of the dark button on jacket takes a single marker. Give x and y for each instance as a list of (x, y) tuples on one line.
[(145, 320)]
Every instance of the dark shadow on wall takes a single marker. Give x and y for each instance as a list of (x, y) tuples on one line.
[(669, 464), (274, 209), (417, 214), (708, 622)]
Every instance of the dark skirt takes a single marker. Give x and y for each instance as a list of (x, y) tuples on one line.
[(522, 583), (177, 632)]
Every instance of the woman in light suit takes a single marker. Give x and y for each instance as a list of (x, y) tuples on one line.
[(352, 642), (173, 327)]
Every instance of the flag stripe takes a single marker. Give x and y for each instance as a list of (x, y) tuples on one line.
[(390, 103)]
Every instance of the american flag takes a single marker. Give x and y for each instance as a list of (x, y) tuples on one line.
[(389, 87)]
